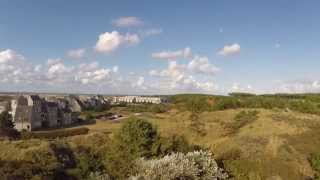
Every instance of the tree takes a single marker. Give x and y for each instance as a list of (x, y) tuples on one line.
[(136, 138), (7, 126), (6, 121)]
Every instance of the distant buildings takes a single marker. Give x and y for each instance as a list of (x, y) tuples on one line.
[(138, 99), (31, 112)]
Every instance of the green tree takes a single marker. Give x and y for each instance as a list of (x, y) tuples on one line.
[(7, 126), (6, 121), (136, 138)]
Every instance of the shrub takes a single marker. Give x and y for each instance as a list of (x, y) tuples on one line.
[(154, 108), (193, 165), (98, 176), (135, 139), (158, 108), (173, 143), (52, 161), (87, 161), (241, 119), (7, 126), (314, 161), (55, 133), (89, 117)]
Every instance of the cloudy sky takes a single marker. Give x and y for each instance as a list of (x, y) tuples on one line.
[(160, 47)]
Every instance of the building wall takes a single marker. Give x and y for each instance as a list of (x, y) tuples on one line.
[(53, 116), (67, 119), (23, 126)]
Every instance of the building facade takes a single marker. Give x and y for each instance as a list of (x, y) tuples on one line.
[(31, 112)]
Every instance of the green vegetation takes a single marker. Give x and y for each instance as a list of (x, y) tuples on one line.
[(196, 106), (251, 136), (315, 164), (193, 165), (54, 133), (305, 103), (135, 139), (154, 108), (7, 126)]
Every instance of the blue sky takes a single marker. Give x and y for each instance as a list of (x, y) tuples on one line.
[(251, 46)]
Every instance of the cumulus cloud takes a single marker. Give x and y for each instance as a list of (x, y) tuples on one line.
[(14, 67), (298, 86), (237, 87), (228, 50), (202, 65), (129, 21), (15, 71), (181, 77), (108, 42), (173, 55), (9, 55), (76, 53)]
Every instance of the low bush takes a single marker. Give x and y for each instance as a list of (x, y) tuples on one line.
[(154, 108), (194, 165), (54, 133), (172, 144), (241, 119)]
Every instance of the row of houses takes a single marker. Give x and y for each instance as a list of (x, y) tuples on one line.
[(138, 99), (31, 112)]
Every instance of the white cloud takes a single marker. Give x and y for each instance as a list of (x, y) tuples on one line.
[(202, 65), (277, 45), (230, 50), (151, 32), (129, 21), (76, 53), (236, 87), (14, 67), (109, 42), (173, 55), (298, 86), (10, 55), (181, 78)]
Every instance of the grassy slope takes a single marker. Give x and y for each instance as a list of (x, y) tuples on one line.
[(276, 145)]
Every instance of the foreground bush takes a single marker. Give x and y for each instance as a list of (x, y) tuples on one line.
[(135, 139), (172, 144), (193, 165)]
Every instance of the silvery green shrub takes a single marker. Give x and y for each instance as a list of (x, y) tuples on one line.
[(98, 176), (197, 165)]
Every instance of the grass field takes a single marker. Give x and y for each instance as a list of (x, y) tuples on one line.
[(276, 145)]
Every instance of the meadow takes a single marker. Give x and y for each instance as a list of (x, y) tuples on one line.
[(265, 137)]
